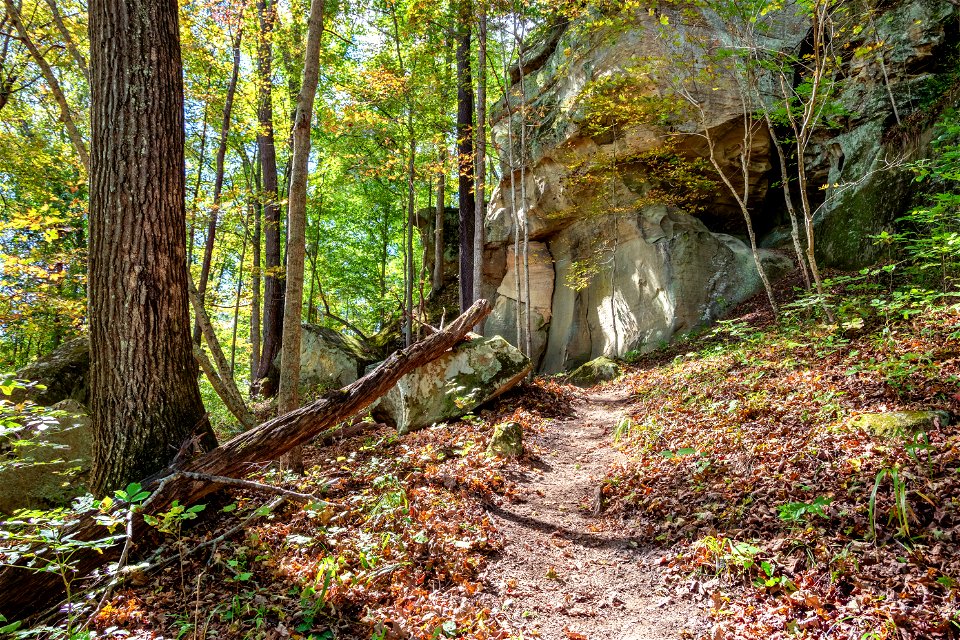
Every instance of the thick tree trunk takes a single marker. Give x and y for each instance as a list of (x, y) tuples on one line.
[(218, 179), (144, 396), (465, 155), (24, 592), (289, 395), (267, 377)]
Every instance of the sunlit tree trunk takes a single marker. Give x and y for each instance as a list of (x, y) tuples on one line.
[(144, 395), (481, 153), (255, 294), (439, 218), (289, 395)]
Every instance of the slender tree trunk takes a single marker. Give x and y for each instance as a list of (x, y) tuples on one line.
[(71, 45), (465, 155), (195, 202), (236, 304), (314, 258), (507, 90), (144, 395), (255, 294), (289, 396), (408, 240), (267, 378), (66, 116), (439, 219), (528, 324), (218, 179), (480, 166), (220, 377), (788, 201)]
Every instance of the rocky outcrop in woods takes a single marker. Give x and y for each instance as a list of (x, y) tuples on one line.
[(633, 238)]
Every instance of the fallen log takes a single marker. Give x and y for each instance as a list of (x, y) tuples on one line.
[(24, 592)]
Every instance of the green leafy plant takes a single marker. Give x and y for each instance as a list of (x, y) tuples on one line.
[(800, 511), (901, 509)]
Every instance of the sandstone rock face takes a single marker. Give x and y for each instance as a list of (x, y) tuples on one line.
[(474, 372), (628, 282), (32, 477), (864, 162), (641, 251)]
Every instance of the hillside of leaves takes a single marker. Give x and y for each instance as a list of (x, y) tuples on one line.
[(788, 520), (391, 547)]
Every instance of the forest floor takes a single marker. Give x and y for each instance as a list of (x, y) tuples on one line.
[(721, 488), (565, 570)]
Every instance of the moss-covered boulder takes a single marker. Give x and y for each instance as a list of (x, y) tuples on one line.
[(474, 372), (330, 359), (42, 465), (594, 372), (63, 373), (507, 440), (900, 423)]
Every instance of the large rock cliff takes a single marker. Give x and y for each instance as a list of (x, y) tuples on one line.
[(632, 238)]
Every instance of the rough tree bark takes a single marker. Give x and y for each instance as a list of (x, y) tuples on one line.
[(267, 377), (465, 154), (289, 395), (24, 592), (144, 396)]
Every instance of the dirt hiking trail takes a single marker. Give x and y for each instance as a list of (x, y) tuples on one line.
[(566, 572)]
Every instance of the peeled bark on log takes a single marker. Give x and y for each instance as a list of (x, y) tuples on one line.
[(23, 592)]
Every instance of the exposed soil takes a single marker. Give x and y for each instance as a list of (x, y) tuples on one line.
[(566, 571)]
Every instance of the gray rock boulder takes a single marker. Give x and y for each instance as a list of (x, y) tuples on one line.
[(330, 359), (64, 372), (49, 471), (895, 424), (507, 440), (474, 372), (599, 370)]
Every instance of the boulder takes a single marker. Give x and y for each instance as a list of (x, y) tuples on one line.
[(330, 359), (667, 276), (598, 370), (476, 371), (64, 373), (47, 472), (896, 424), (507, 440)]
